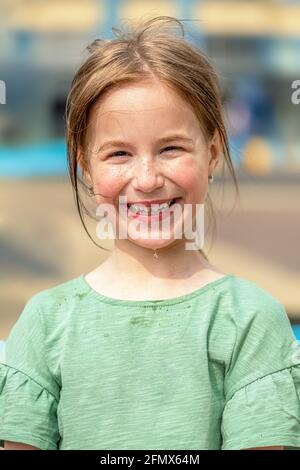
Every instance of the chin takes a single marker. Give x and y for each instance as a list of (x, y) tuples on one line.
[(154, 244)]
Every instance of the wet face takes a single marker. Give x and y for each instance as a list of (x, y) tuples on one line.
[(145, 142)]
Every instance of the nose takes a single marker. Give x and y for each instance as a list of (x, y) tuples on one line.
[(147, 175)]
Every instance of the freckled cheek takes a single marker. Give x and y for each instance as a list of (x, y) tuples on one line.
[(193, 181), (108, 182)]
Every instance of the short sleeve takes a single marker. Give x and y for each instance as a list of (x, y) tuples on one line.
[(262, 381), (29, 395)]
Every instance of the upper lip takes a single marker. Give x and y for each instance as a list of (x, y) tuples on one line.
[(153, 201)]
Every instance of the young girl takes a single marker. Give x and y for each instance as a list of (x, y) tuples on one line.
[(150, 352)]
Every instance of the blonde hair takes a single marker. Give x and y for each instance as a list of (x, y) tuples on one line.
[(143, 50)]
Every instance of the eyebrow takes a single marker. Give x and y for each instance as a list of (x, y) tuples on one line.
[(169, 138)]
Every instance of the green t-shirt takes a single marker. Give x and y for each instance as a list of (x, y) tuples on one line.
[(218, 368)]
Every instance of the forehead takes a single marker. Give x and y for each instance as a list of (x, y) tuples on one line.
[(148, 102)]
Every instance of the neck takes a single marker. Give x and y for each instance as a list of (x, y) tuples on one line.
[(138, 263)]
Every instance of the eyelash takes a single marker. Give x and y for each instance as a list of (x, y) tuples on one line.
[(123, 151)]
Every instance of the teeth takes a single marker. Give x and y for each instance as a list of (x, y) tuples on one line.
[(136, 209), (145, 210)]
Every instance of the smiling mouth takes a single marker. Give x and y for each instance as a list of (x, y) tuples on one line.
[(153, 209)]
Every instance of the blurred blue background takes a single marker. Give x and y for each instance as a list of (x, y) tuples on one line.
[(255, 45)]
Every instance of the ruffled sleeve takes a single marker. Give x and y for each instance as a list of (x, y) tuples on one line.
[(27, 410), (29, 394), (262, 382), (265, 412)]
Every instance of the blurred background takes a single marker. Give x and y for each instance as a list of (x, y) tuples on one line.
[(255, 47)]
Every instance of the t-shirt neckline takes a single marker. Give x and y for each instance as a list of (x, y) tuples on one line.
[(159, 302)]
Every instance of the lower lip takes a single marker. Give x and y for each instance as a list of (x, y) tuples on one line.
[(154, 217)]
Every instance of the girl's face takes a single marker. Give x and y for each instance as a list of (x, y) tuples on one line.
[(145, 142)]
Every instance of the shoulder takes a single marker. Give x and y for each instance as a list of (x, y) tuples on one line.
[(66, 291), (44, 321), (262, 338), (245, 300), (247, 319), (51, 306), (255, 313), (243, 316)]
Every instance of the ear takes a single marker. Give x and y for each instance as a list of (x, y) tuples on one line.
[(215, 151)]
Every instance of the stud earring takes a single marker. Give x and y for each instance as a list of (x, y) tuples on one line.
[(211, 178)]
